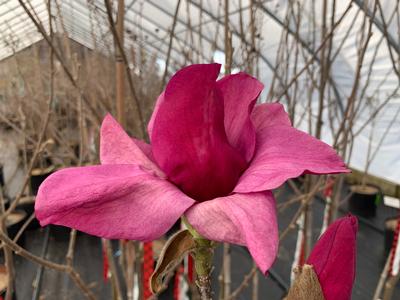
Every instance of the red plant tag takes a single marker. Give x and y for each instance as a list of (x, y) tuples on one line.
[(148, 268), (105, 263), (330, 182)]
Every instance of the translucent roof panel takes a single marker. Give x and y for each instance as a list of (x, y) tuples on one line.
[(199, 34), (16, 29)]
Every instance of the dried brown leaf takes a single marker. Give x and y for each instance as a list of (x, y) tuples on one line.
[(306, 286), (171, 256)]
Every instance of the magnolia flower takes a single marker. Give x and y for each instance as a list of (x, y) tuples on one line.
[(214, 157)]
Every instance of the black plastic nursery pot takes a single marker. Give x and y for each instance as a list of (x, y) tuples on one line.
[(363, 200), (60, 233), (38, 175), (27, 204)]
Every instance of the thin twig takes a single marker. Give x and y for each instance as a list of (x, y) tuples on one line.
[(245, 283), (48, 264), (314, 57), (127, 69), (171, 38)]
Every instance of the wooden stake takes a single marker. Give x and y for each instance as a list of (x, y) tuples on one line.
[(119, 66), (389, 287), (382, 278)]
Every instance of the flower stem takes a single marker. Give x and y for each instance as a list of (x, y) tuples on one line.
[(202, 256), (189, 227)]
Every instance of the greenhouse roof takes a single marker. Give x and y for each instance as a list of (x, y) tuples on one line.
[(199, 37)]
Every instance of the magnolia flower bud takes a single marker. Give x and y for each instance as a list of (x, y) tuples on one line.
[(329, 272), (334, 258)]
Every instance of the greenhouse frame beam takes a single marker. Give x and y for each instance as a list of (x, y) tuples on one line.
[(144, 42), (163, 10), (132, 23), (392, 42), (265, 59), (304, 44), (8, 11), (129, 8), (18, 25), (147, 31), (151, 21), (207, 39), (211, 20), (19, 16), (74, 34), (333, 84)]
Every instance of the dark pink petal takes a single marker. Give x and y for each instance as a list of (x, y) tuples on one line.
[(334, 258), (283, 152), (160, 100), (240, 92), (269, 114), (188, 137), (111, 201), (244, 219), (116, 147)]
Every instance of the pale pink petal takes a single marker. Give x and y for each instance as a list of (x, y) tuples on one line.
[(160, 100), (111, 201), (146, 148), (269, 114), (116, 147), (188, 137), (283, 152), (244, 219), (240, 93)]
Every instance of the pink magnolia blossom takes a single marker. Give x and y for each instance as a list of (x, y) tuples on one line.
[(334, 259), (214, 156)]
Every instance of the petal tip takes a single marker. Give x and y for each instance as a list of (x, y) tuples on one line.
[(264, 267), (211, 70), (108, 118), (352, 221), (109, 123)]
